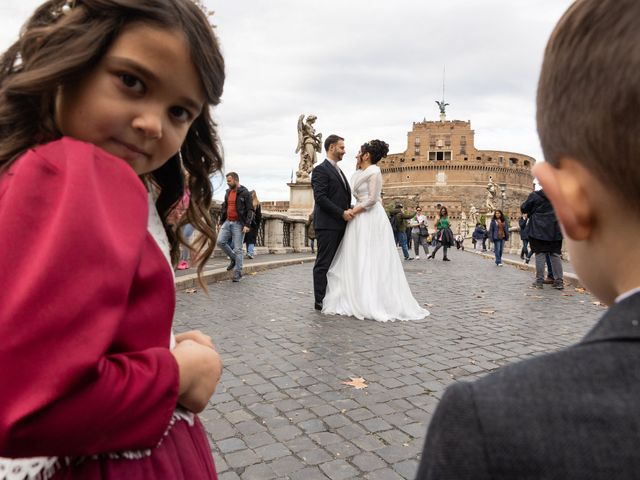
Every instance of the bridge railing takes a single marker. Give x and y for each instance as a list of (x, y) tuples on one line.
[(277, 233)]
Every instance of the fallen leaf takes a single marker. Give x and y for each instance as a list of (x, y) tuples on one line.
[(488, 312), (580, 290), (304, 351), (356, 382), (253, 273), (428, 305), (567, 294), (190, 290), (597, 304)]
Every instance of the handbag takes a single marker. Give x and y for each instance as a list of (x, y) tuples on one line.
[(423, 231)]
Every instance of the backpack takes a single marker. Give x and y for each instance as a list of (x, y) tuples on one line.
[(393, 219)]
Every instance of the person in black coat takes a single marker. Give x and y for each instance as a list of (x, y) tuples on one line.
[(332, 211), (523, 222), (545, 237)]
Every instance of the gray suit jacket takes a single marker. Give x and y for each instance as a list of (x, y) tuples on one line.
[(573, 414)]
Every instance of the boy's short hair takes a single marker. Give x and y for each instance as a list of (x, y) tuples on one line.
[(234, 175), (331, 140), (588, 104)]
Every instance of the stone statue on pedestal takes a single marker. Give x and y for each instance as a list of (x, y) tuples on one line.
[(464, 225), (492, 192), (473, 215), (308, 144)]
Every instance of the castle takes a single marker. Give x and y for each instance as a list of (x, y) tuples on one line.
[(441, 166)]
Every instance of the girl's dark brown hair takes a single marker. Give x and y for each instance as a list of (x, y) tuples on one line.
[(56, 49)]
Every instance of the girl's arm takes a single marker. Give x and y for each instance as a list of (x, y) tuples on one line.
[(85, 364)]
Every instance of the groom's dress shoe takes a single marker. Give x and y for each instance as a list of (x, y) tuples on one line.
[(317, 306)]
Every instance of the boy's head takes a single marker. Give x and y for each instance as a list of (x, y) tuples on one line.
[(588, 115), (588, 105)]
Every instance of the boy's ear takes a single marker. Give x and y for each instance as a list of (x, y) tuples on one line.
[(567, 187)]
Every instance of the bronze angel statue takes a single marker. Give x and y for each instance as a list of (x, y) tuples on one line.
[(308, 144)]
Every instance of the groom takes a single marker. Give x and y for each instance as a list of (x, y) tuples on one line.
[(332, 211)]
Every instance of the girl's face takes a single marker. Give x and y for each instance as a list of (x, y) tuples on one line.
[(139, 101), (443, 212)]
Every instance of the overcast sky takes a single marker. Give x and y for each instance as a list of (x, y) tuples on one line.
[(367, 69)]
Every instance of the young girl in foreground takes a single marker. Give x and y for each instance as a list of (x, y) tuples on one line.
[(102, 103)]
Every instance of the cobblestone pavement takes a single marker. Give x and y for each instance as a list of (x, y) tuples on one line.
[(281, 409)]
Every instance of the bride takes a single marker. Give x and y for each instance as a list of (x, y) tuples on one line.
[(366, 279)]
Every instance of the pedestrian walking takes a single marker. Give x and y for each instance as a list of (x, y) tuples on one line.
[(252, 235), (419, 232), (499, 234), (235, 220), (444, 235), (545, 237), (523, 223)]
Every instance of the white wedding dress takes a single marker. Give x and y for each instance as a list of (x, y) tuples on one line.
[(366, 278)]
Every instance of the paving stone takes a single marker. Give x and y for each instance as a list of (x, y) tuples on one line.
[(312, 426), (368, 462), (286, 465), (368, 443), (315, 456), (351, 431), (229, 476), (343, 449), (375, 425), (310, 473), (338, 470), (242, 458), (300, 444), (407, 469), (325, 438), (337, 421), (231, 445), (272, 451), (286, 433), (250, 427), (258, 472), (259, 439), (384, 474)]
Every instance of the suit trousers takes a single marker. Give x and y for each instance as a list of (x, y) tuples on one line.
[(328, 242)]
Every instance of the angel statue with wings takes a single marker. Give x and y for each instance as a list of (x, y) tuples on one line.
[(308, 144)]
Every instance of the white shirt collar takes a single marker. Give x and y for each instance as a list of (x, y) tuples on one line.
[(334, 163), (627, 294)]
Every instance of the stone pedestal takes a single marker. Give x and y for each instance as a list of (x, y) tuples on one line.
[(300, 199)]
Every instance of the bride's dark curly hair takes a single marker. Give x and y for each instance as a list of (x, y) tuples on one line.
[(56, 49), (377, 149)]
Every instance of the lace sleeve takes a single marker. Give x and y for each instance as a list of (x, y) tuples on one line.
[(374, 188)]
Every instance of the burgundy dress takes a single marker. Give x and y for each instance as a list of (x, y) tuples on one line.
[(87, 301)]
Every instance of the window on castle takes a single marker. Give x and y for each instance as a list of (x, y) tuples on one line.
[(513, 161), (417, 142), (526, 163), (417, 150), (440, 156)]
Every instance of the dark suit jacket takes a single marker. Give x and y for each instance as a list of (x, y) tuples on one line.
[(573, 414), (332, 197)]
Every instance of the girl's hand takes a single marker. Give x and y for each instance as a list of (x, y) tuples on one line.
[(197, 336), (200, 370)]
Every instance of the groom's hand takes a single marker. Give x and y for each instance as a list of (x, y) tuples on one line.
[(347, 215)]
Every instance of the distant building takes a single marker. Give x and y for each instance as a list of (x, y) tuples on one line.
[(441, 166)]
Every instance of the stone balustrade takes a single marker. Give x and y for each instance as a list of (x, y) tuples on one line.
[(278, 232)]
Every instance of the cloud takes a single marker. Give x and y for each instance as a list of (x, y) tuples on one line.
[(367, 69)]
